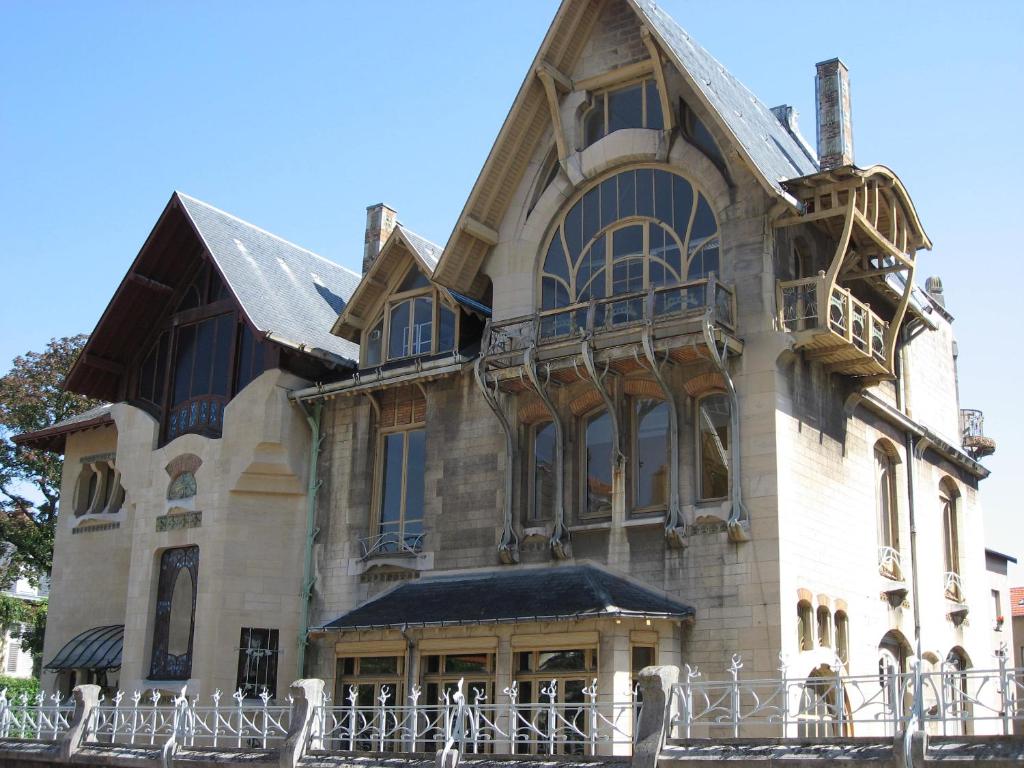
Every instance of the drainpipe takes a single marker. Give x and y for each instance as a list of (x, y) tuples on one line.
[(901, 404), (313, 415)]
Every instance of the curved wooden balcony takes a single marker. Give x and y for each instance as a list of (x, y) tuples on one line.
[(834, 327), (615, 326), (201, 415)]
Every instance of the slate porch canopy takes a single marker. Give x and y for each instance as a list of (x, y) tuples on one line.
[(98, 649), (507, 596)]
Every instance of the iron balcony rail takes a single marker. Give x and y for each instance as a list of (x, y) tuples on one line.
[(806, 305), (889, 563), (682, 301), (391, 543), (954, 587), (972, 423)]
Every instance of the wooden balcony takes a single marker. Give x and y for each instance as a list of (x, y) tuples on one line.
[(201, 415), (615, 327), (834, 327)]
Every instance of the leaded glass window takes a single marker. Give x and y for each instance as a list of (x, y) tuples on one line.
[(174, 624), (640, 228)]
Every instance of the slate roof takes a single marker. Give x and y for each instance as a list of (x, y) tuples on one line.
[(52, 438), (510, 595), (286, 291), (769, 145), (426, 250), (98, 649)]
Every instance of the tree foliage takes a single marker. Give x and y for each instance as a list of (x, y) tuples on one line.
[(32, 397)]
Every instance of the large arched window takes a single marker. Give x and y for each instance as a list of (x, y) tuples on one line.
[(640, 228)]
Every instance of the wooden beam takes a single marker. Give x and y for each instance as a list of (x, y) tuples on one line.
[(556, 115), (563, 81), (104, 364), (620, 75), (872, 273), (148, 282), (479, 230), (795, 218), (667, 113), (881, 240)]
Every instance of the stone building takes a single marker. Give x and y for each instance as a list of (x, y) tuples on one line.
[(669, 392)]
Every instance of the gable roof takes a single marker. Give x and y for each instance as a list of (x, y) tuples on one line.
[(53, 437), (287, 293), (401, 244), (771, 151)]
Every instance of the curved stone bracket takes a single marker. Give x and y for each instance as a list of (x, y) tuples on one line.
[(587, 351), (508, 546)]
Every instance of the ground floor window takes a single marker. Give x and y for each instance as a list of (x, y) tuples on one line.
[(258, 652), (561, 674), (175, 614), (442, 672)]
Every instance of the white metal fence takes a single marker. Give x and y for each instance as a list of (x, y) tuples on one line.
[(39, 717), (945, 702), (589, 724)]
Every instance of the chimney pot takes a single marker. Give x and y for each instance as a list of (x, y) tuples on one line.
[(381, 221), (835, 116)]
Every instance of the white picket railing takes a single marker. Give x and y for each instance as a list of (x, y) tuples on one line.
[(589, 725), (948, 702)]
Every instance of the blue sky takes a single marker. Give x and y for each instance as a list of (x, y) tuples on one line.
[(297, 116)]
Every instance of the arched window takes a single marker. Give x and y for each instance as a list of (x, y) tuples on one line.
[(639, 228), (651, 453), (824, 627), (887, 514), (954, 675), (175, 614), (805, 626), (713, 420), (542, 457), (949, 498), (598, 455), (842, 636)]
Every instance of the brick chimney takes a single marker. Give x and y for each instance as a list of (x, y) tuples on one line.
[(835, 118), (380, 223)]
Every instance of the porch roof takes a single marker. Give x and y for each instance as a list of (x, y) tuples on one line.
[(98, 649), (558, 593)]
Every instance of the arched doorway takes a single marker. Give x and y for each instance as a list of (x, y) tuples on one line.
[(824, 706), (896, 695)]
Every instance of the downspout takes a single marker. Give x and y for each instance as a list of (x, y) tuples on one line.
[(308, 579), (739, 520), (918, 712)]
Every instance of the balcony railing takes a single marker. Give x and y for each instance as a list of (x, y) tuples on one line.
[(842, 330), (889, 563), (954, 587), (972, 434), (203, 415), (690, 300), (391, 543)]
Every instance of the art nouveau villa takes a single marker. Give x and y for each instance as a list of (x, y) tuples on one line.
[(670, 391)]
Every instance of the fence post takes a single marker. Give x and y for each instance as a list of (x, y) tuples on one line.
[(1006, 684), (513, 717), (5, 714), (656, 684), (305, 725), (734, 693), (79, 729)]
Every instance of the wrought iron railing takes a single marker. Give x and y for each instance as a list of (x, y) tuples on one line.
[(657, 304), (588, 724), (972, 434), (39, 717), (806, 305), (392, 542), (954, 586), (952, 702), (889, 563)]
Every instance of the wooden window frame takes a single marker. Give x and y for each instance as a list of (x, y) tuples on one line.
[(598, 99), (581, 461), (443, 678), (378, 475), (634, 463), (699, 452)]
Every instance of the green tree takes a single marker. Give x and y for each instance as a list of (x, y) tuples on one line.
[(32, 397)]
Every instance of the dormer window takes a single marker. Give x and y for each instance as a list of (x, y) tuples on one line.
[(414, 322), (637, 105)]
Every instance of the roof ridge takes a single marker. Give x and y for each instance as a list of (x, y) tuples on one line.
[(427, 240), (266, 232)]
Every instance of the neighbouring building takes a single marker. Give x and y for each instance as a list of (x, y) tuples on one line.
[(1003, 635), (1017, 620), (670, 392), (15, 661)]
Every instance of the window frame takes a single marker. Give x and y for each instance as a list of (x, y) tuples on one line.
[(699, 450), (887, 521), (584, 512), (598, 100), (382, 316), (376, 518), (163, 665), (950, 501), (634, 463), (252, 690), (533, 429)]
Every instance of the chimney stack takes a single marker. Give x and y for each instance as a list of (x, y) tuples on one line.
[(380, 223), (835, 118)]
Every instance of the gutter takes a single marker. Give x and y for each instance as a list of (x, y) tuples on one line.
[(308, 578), (359, 382)]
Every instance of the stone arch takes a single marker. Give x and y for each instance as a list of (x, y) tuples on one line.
[(704, 384)]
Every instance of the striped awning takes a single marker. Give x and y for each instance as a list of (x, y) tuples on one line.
[(98, 649)]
